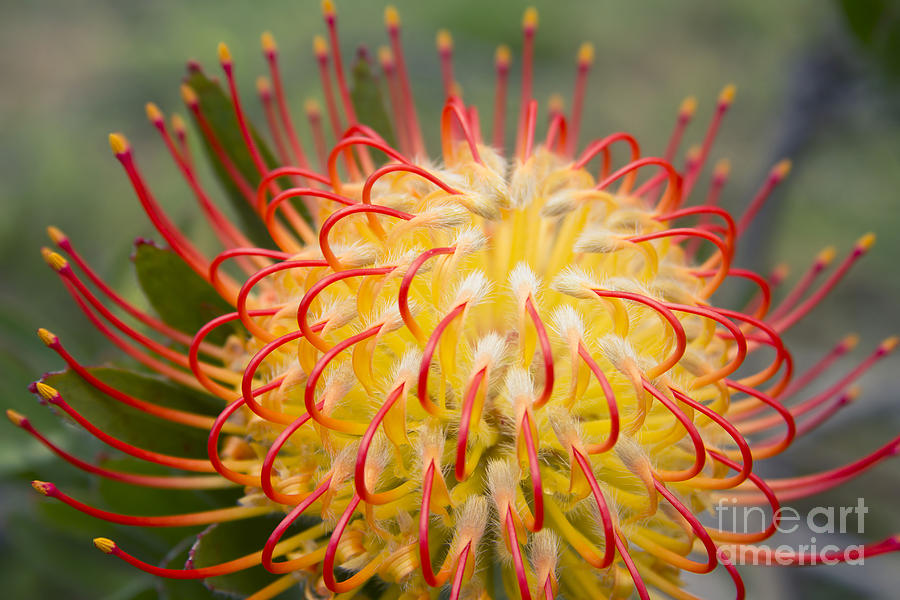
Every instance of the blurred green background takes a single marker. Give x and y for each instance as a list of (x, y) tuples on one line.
[(816, 82)]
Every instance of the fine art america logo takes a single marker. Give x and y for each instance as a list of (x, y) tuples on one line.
[(820, 520)]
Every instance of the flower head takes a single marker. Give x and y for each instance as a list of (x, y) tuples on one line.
[(504, 362)]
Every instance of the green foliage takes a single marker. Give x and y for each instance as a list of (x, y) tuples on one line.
[(368, 101), (227, 541), (180, 297), (139, 500), (876, 24), (219, 112), (129, 424)]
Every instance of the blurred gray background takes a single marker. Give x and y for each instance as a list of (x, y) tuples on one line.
[(816, 83)]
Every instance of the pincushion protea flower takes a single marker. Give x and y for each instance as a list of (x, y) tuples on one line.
[(501, 372)]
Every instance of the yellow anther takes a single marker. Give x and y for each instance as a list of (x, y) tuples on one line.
[(262, 85), (188, 94), (54, 259), (866, 241), (444, 41), (693, 153), (781, 271), (311, 106), (503, 55), (688, 106), (48, 337), (889, 344), (105, 545), (722, 168), (328, 8), (782, 169), (320, 46), (530, 19), (118, 143), (586, 54), (726, 96), (224, 53), (42, 487), (556, 104), (385, 57), (16, 418), (850, 341), (153, 112), (45, 391), (853, 393), (826, 255), (56, 235), (178, 123), (391, 17), (268, 42)]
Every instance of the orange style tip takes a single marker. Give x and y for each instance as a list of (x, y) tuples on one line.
[(45, 391), (782, 169), (385, 57), (889, 344), (16, 418), (268, 43), (503, 56), (188, 95), (726, 96), (105, 545), (42, 487), (48, 337), (853, 393), (444, 41), (178, 123), (54, 259), (556, 104), (262, 86), (722, 168), (320, 46), (530, 19), (866, 241), (850, 341), (391, 17), (118, 143), (586, 54), (826, 256), (328, 8), (153, 112), (224, 53), (311, 107), (688, 107), (56, 234)]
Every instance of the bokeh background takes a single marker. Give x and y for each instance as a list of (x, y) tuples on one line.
[(817, 82)]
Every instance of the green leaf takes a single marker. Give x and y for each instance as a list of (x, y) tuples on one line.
[(179, 296), (876, 24), (368, 102), (227, 541), (140, 500), (177, 589), (131, 425), (219, 112)]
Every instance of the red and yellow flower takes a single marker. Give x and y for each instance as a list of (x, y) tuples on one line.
[(503, 364)]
